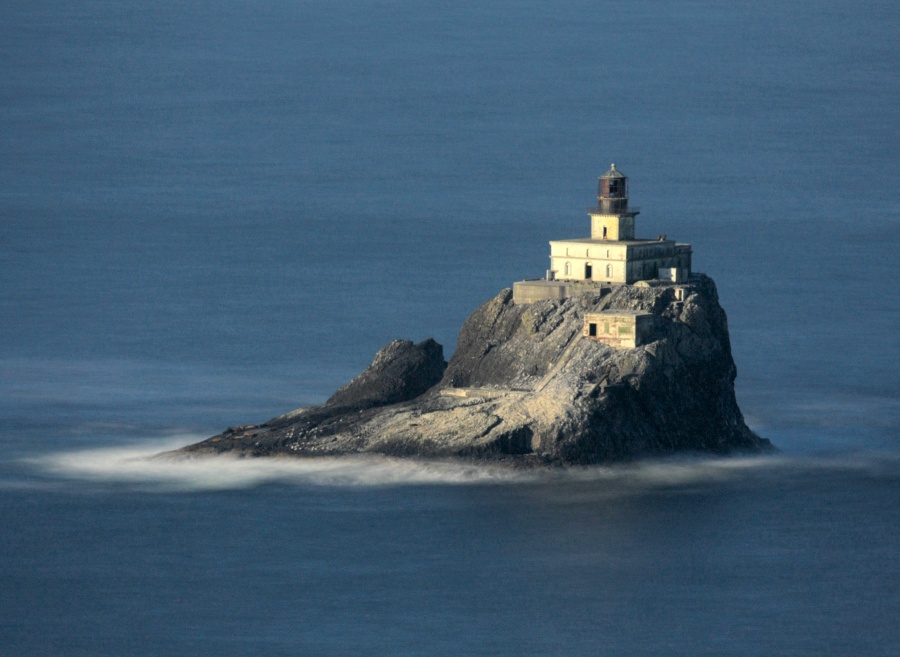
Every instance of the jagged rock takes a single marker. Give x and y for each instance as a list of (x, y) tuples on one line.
[(525, 386), (401, 371)]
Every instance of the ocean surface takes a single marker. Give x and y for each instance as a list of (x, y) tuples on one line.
[(212, 213)]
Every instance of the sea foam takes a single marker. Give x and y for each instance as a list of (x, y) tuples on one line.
[(153, 466)]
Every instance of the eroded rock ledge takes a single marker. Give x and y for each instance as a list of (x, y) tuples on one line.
[(526, 387)]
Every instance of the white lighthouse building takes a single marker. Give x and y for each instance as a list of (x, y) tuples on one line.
[(612, 254)]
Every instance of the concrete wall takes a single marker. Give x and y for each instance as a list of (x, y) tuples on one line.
[(607, 260), (645, 260), (601, 270), (588, 249), (616, 227), (673, 274), (525, 292)]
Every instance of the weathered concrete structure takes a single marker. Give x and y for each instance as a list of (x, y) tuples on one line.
[(611, 254), (540, 290), (623, 329)]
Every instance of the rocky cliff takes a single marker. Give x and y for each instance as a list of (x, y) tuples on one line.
[(525, 386)]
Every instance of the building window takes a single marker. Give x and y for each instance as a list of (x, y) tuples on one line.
[(592, 330), (588, 271), (608, 271), (568, 269)]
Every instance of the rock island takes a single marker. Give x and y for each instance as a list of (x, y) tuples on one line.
[(619, 351)]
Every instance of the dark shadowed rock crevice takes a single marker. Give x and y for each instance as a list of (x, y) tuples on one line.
[(525, 386)]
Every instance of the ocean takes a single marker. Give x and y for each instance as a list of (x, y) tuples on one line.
[(212, 213)]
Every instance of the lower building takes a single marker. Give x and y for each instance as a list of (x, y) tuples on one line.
[(622, 329)]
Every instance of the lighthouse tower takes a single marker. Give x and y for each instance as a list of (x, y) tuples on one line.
[(612, 219)]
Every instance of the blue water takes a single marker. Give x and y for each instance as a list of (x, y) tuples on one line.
[(213, 213)]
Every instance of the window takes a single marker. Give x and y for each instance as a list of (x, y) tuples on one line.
[(588, 271), (592, 330)]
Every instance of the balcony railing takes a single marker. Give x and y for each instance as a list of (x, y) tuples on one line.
[(599, 209)]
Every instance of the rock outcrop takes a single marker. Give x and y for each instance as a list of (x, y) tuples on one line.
[(525, 386), (401, 371)]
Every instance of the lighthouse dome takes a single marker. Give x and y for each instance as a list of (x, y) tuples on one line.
[(613, 173)]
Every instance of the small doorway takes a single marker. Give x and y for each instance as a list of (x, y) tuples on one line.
[(592, 330), (588, 271)]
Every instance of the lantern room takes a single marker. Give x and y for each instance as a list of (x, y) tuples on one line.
[(612, 192)]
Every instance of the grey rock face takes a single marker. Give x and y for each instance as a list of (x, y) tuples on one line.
[(525, 386), (401, 371)]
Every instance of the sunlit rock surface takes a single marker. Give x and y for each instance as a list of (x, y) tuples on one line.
[(524, 386)]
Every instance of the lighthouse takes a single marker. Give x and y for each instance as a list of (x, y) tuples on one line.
[(612, 255)]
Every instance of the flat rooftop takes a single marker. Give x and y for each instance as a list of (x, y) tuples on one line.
[(568, 282), (591, 240), (613, 312)]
